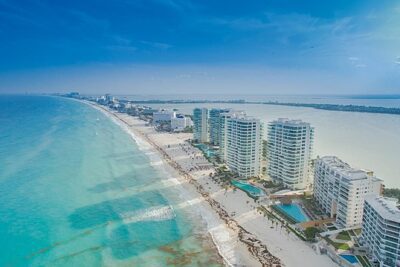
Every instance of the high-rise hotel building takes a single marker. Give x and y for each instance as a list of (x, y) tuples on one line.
[(215, 125), (223, 121), (290, 145), (243, 145), (200, 125), (381, 230), (340, 190)]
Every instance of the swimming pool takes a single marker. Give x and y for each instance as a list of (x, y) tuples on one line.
[(294, 211), (350, 258), (207, 150), (251, 189)]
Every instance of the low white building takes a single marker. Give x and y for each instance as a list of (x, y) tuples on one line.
[(340, 190), (163, 116), (381, 230), (180, 122)]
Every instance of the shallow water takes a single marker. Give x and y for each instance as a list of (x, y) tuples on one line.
[(75, 190)]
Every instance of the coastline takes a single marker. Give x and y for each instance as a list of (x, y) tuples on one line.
[(224, 238), (251, 240), (326, 106)]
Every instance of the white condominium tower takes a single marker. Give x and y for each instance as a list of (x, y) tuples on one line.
[(223, 119), (244, 145), (290, 144), (381, 230), (340, 190), (200, 125), (215, 125)]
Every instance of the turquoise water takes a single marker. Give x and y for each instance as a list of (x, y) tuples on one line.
[(75, 190), (350, 258), (295, 211), (209, 152), (252, 190)]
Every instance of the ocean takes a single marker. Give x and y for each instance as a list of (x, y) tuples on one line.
[(77, 190)]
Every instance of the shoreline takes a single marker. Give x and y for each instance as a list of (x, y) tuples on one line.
[(322, 106), (263, 244), (140, 137)]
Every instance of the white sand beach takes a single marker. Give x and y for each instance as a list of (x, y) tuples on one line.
[(242, 235)]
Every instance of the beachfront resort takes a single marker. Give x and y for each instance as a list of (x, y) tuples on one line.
[(333, 208)]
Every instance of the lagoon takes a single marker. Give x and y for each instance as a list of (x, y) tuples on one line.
[(364, 140)]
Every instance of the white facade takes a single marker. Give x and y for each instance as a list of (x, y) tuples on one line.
[(163, 116), (290, 144), (200, 125), (340, 190), (381, 230), (244, 145), (180, 122), (223, 118)]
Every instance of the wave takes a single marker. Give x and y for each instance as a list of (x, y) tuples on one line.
[(220, 234), (157, 213)]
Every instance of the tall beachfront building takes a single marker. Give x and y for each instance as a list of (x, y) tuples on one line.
[(340, 190), (200, 125), (243, 146), (381, 230), (215, 125), (223, 119), (290, 144)]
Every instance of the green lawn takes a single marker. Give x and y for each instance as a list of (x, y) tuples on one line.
[(337, 245), (343, 246), (357, 231), (344, 236)]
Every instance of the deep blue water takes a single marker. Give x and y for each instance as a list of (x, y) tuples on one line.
[(75, 190)]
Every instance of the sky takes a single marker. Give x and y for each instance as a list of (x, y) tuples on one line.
[(200, 46)]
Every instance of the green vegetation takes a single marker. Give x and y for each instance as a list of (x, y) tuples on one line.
[(312, 205), (188, 129), (264, 148), (311, 232), (274, 187), (337, 245), (351, 108), (392, 192), (223, 176), (273, 217), (344, 236), (364, 261)]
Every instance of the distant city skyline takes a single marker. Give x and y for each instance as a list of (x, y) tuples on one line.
[(209, 47)]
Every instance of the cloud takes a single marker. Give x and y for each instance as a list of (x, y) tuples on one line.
[(357, 62), (87, 19), (157, 45), (122, 48)]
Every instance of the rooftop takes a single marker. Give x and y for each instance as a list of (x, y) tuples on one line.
[(346, 170), (388, 208), (290, 122), (244, 117)]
